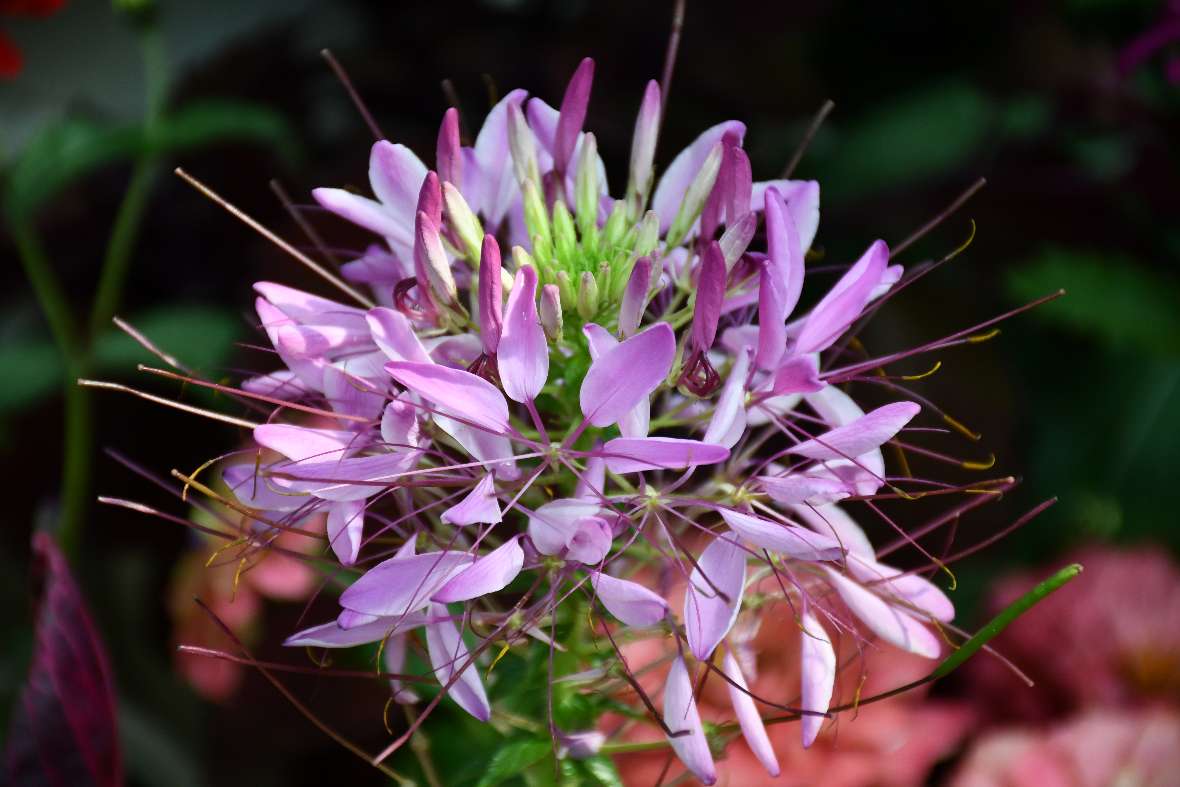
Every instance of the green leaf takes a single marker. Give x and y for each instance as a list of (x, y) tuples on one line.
[(199, 336), (602, 770), (512, 760), (913, 138), (1108, 298), (199, 124), (71, 149), (31, 369), (60, 155), (1002, 621)]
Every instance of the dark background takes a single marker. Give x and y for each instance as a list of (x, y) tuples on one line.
[(1080, 398)]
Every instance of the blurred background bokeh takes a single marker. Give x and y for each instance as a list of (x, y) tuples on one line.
[(1069, 108)]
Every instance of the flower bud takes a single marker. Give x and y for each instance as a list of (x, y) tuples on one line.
[(615, 227), (565, 237), (448, 151), (649, 234), (491, 289), (695, 196), (643, 149), (463, 222), (430, 255), (635, 296), (551, 312), (587, 296), (523, 148), (569, 298), (572, 115), (586, 190), (736, 238)]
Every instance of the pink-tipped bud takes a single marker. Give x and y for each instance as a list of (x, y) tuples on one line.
[(635, 296), (573, 114), (430, 199), (430, 261), (741, 186), (643, 148), (551, 319), (491, 295), (523, 147), (448, 155), (710, 294)]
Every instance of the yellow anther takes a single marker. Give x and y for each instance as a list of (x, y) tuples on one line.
[(960, 427), (495, 661), (983, 337), (911, 377), (987, 465)]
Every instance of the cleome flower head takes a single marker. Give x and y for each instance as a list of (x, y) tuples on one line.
[(572, 398)]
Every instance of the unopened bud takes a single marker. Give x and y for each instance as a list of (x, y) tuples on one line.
[(463, 222), (649, 234), (523, 147), (569, 298), (587, 296), (643, 149), (551, 311), (565, 237), (432, 257), (695, 196), (586, 190)]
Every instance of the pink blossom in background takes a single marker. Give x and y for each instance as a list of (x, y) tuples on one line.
[(1095, 749), (1112, 638)]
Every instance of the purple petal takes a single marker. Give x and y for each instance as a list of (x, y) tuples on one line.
[(592, 481), (714, 595), (255, 490), (888, 622), (448, 655), (683, 169), (494, 451), (480, 505), (491, 296), (782, 280), (795, 542), (489, 184), (629, 601), (346, 527), (710, 294), (347, 479), (834, 521), (680, 715), (553, 525), (396, 176), (753, 730), (798, 374), (817, 672), (331, 635), (394, 656), (395, 336), (400, 585), (626, 374), (844, 302), (523, 353), (590, 542), (448, 156), (458, 393), (304, 307), (635, 297), (862, 435), (573, 114), (399, 425), (801, 488), (729, 415), (802, 198), (909, 588), (366, 213), (301, 442), (633, 455), (741, 187), (350, 395), (488, 574)]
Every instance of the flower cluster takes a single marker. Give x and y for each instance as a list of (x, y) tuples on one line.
[(559, 398)]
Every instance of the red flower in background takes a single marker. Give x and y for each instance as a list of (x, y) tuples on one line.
[(10, 57)]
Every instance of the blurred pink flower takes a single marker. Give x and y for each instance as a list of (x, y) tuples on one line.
[(1095, 749), (1111, 638)]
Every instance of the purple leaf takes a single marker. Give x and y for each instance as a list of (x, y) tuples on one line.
[(63, 729)]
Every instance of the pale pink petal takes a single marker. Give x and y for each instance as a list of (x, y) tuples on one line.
[(399, 425), (346, 526), (680, 173), (844, 302), (590, 542), (395, 336), (553, 525), (633, 455), (459, 394), (834, 521), (479, 505), (908, 588), (783, 280), (494, 451), (302, 442), (331, 635), (629, 601), (714, 595), (795, 542), (802, 488), (865, 434), (488, 574), (363, 212), (798, 374), (888, 622), (729, 415), (396, 175), (749, 719), (523, 353), (448, 655), (681, 716), (817, 669), (394, 656), (306, 308), (405, 584), (592, 481), (489, 182), (802, 198), (351, 395), (626, 374)]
